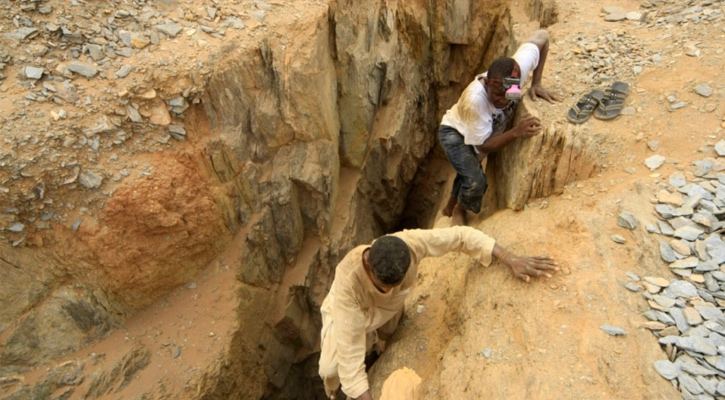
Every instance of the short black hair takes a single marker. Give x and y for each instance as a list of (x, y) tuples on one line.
[(501, 68), (389, 259)]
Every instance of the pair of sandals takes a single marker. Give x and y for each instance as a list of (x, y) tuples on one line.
[(604, 106)]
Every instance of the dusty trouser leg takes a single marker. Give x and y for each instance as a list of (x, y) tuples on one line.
[(470, 182)]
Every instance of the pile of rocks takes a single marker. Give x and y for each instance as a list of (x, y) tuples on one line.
[(671, 12), (686, 313), (616, 55)]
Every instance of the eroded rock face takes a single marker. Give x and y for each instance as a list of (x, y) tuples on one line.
[(313, 131), (544, 164)]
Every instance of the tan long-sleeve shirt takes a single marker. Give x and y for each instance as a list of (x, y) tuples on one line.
[(354, 307)]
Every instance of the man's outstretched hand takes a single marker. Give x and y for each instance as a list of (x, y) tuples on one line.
[(546, 94), (526, 267)]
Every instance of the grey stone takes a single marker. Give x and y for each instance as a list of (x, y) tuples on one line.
[(631, 275), (719, 275), (95, 51), (711, 284), (689, 383), (627, 220), (22, 33), (666, 252), (706, 266), (632, 287), (33, 72), (90, 180), (694, 369), (715, 248), (177, 132), (619, 239), (677, 179), (678, 105), (651, 315), (665, 228), (125, 52), (616, 16), (133, 114), (717, 339), (721, 388), (81, 68), (654, 162), (705, 295), (17, 227), (169, 28), (680, 321), (665, 210), (720, 148), (708, 385), (664, 301), (688, 233), (715, 326), (709, 312), (697, 344), (613, 330), (703, 90), (667, 369), (123, 71), (680, 288), (651, 228), (665, 318), (653, 145)]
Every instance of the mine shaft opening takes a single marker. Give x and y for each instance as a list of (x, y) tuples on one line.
[(429, 189)]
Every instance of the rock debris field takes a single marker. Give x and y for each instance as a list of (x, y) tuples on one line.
[(685, 314)]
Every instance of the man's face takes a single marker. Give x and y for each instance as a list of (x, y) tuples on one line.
[(380, 286), (496, 92)]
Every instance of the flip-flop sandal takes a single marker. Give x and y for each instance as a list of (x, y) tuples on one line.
[(580, 112), (613, 101)]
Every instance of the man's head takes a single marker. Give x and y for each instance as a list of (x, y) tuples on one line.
[(499, 70), (388, 259)]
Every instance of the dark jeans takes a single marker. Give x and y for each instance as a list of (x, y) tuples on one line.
[(470, 183)]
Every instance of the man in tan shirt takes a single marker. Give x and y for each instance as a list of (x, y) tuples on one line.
[(371, 283)]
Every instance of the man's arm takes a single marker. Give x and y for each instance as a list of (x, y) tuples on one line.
[(528, 126), (436, 242), (541, 39), (349, 332)]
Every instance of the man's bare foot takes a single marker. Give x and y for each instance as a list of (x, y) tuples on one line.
[(448, 209), (458, 216)]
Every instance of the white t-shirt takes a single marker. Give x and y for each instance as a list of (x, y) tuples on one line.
[(473, 114)]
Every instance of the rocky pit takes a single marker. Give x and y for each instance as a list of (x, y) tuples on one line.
[(179, 178)]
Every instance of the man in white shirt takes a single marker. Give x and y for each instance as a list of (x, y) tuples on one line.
[(371, 282), (476, 124)]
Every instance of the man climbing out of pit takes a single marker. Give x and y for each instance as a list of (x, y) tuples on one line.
[(476, 125), (371, 282)]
